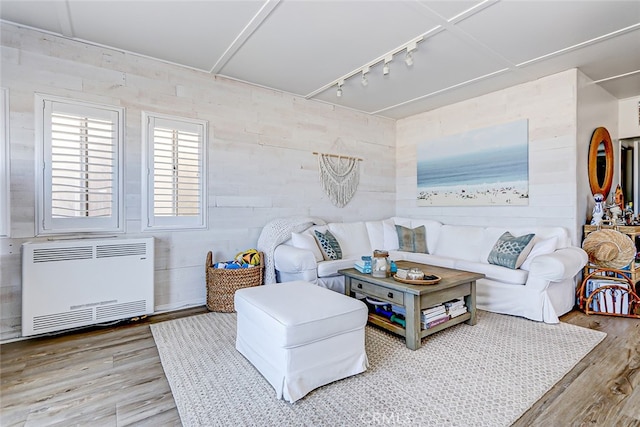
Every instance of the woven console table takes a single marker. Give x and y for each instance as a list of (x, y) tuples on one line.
[(222, 283)]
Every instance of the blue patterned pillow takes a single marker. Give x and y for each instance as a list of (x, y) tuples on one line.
[(510, 251), (329, 245)]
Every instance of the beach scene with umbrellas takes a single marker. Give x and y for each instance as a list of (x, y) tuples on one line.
[(482, 167)]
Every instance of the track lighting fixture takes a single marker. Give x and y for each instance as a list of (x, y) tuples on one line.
[(408, 59), (386, 69), (365, 78), (410, 47)]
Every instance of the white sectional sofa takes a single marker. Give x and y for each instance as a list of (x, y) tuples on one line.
[(542, 289)]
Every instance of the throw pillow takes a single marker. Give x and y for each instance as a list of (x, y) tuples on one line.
[(329, 245), (307, 241), (412, 240), (540, 247), (510, 251)]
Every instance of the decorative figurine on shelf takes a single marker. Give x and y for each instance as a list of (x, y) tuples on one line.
[(628, 214), (598, 209), (615, 212), (619, 198)]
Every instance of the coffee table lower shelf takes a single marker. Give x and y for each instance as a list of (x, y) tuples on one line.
[(386, 324)]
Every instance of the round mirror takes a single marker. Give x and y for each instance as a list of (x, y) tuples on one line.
[(601, 162)]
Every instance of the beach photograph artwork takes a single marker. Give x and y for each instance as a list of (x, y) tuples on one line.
[(482, 167)]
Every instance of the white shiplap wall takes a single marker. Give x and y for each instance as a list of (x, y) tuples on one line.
[(557, 151), (260, 157), (596, 108)]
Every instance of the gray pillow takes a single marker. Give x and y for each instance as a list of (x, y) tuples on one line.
[(412, 240), (510, 251)]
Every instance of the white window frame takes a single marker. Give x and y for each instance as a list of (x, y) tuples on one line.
[(45, 222), (151, 221), (5, 194)]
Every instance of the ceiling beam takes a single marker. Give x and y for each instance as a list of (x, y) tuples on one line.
[(64, 18), (595, 40), (244, 35)]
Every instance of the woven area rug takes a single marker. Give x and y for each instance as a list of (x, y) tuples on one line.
[(483, 375)]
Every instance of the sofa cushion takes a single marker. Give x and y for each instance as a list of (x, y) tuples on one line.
[(329, 245), (308, 242), (459, 242), (330, 268), (376, 234), (540, 247), (412, 240), (495, 272), (353, 238), (511, 251), (390, 234)]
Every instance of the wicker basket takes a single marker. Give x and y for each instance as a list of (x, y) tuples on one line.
[(223, 283)]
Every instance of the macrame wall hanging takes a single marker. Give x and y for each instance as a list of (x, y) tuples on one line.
[(339, 177)]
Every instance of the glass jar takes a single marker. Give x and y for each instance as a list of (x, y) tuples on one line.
[(415, 274), (380, 264)]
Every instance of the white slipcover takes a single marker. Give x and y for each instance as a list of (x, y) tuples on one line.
[(300, 336), (542, 291)]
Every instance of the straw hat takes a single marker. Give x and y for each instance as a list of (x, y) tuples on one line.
[(609, 249)]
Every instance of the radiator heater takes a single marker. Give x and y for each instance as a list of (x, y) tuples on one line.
[(72, 283)]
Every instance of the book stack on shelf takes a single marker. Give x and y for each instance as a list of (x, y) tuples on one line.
[(455, 307), (433, 316)]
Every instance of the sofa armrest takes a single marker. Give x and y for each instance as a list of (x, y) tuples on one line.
[(560, 265), (290, 259)]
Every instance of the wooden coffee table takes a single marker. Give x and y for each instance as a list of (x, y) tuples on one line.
[(415, 298)]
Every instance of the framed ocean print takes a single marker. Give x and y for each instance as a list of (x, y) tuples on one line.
[(481, 167)]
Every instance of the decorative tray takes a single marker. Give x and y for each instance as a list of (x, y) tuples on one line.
[(418, 282)]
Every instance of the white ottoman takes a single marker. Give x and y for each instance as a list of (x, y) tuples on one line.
[(300, 336)]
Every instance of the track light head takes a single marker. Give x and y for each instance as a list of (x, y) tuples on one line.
[(365, 78), (339, 91), (408, 59), (386, 68)]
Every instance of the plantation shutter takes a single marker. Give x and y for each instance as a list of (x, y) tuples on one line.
[(82, 167), (4, 164), (176, 172)]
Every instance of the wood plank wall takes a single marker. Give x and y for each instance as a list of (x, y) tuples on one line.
[(260, 157), (562, 109)]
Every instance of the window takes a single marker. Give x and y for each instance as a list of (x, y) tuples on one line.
[(80, 179), (5, 213), (174, 172)]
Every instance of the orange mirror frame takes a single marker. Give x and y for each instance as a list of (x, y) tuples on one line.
[(600, 135)]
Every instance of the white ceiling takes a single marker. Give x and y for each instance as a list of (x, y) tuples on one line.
[(467, 48)]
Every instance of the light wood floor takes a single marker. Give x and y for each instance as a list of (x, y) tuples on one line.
[(113, 377)]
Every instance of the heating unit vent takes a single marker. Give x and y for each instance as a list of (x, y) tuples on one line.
[(62, 254), (91, 281), (61, 320), (120, 310), (106, 251)]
